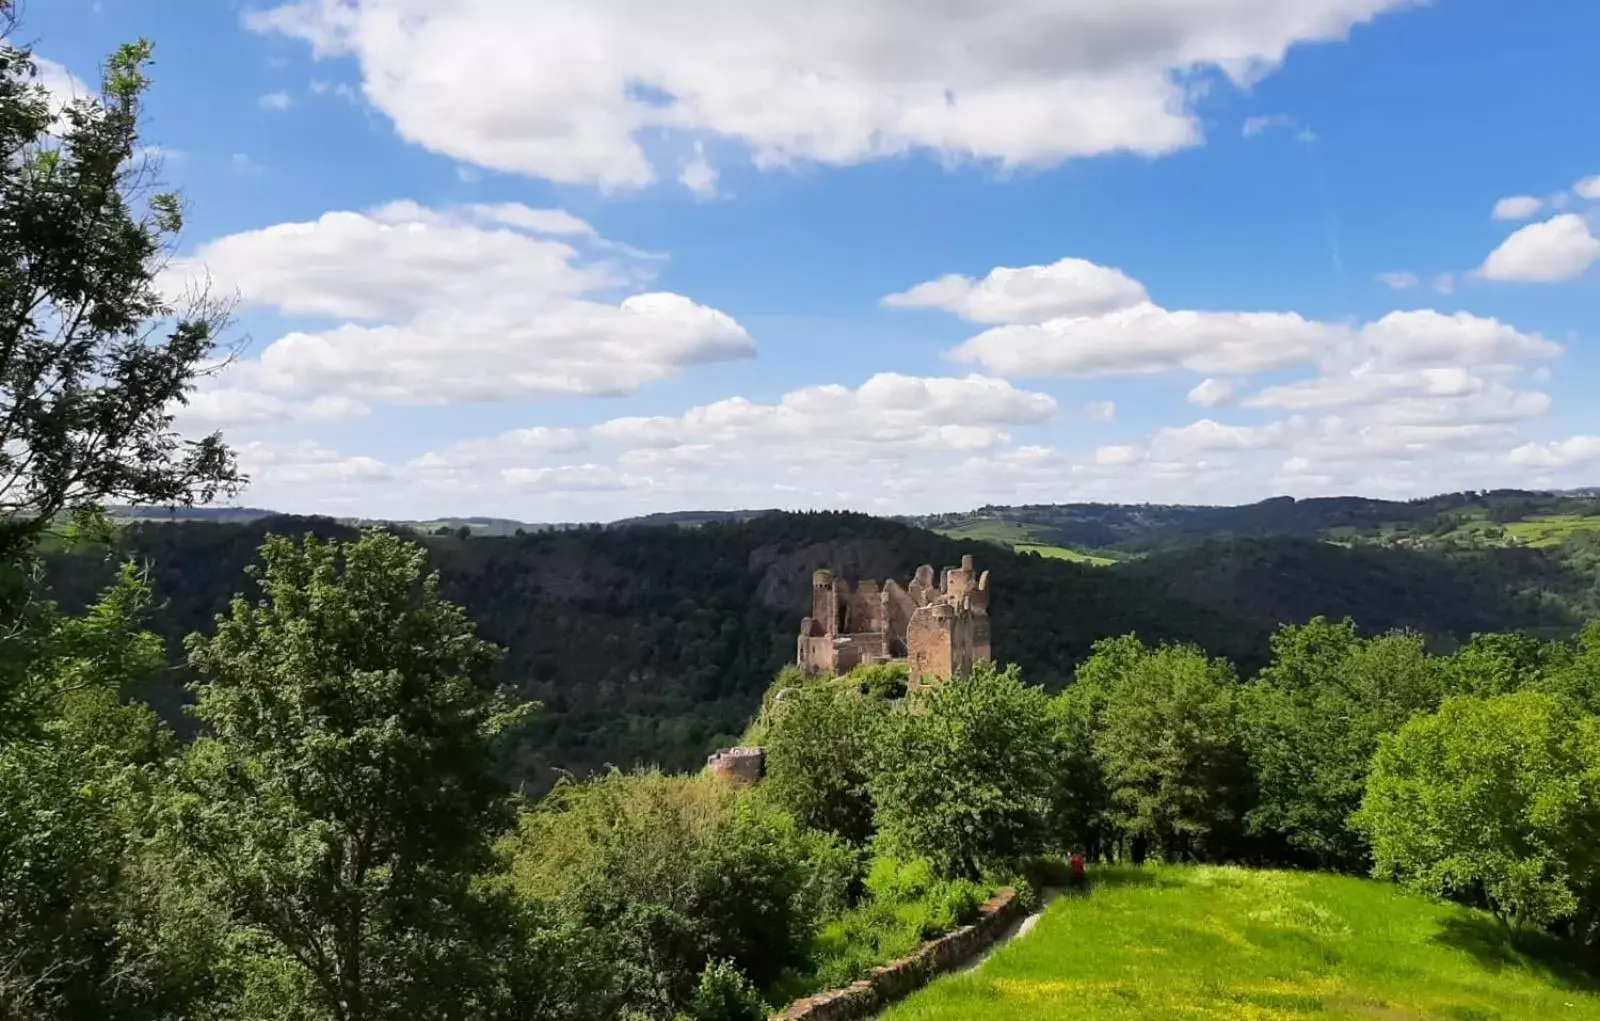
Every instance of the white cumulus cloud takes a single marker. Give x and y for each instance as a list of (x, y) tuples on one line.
[(564, 89), (887, 414), (1211, 393), (1100, 411), (1027, 294), (435, 306), (1567, 453), (1560, 248), (1517, 207), (1147, 338)]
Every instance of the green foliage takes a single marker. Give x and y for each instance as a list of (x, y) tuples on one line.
[(668, 875), (906, 903), (1576, 677), (884, 681), (343, 797), (80, 928), (963, 775), (1167, 745), (820, 741), (1079, 801), (1313, 719), (1502, 663), (724, 995), (1492, 800), (92, 357)]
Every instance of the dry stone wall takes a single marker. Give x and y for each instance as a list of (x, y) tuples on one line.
[(899, 979)]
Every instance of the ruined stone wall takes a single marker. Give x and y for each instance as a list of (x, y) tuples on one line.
[(824, 603), (980, 638), (898, 608), (865, 615), (941, 628), (961, 646), (815, 654), (929, 643), (739, 767), (958, 581)]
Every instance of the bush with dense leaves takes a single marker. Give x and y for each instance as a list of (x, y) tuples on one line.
[(820, 741), (905, 903), (1315, 715), (963, 775), (670, 874), (1494, 801)]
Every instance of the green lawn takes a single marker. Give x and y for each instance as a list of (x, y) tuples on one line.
[(1167, 944)]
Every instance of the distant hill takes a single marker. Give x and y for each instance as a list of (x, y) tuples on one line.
[(1121, 531), (183, 514), (691, 519)]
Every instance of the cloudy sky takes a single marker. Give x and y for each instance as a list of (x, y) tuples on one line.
[(579, 259)]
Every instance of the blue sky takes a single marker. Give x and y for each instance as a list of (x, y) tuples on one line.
[(587, 258)]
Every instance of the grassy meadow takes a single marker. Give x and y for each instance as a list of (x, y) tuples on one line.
[(1230, 943), (1552, 530), (1023, 538)]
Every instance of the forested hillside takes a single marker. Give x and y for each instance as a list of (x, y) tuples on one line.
[(653, 644), (1448, 521)]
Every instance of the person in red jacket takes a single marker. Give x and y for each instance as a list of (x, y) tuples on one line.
[(1080, 878)]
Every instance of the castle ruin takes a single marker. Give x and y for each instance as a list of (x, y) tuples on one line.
[(939, 630)]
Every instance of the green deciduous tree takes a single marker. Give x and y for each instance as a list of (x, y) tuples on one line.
[(1166, 740), (1314, 717), (1494, 801), (1576, 677), (820, 740), (93, 356), (1503, 662), (81, 927), (964, 773), (1079, 801), (344, 795)]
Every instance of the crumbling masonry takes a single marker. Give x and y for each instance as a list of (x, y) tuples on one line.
[(940, 631)]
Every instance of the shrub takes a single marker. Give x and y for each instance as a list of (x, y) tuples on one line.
[(963, 775), (820, 741), (883, 681), (1494, 801), (724, 995), (671, 874), (906, 903)]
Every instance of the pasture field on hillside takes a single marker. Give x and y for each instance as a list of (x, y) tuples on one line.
[(1169, 943), (1551, 531), (1062, 553), (994, 530), (1024, 538)]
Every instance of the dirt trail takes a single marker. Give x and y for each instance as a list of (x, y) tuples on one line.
[(1021, 927)]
